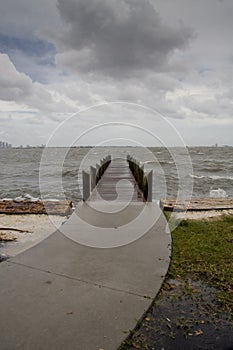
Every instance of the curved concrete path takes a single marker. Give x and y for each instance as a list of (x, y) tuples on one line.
[(64, 295)]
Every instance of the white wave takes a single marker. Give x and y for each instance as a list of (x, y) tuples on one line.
[(196, 176), (157, 162), (26, 197), (218, 193), (157, 201), (150, 162), (213, 177), (217, 177)]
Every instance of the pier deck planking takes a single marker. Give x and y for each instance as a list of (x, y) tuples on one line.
[(110, 186)]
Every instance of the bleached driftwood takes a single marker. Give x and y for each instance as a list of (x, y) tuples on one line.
[(197, 204), (51, 207)]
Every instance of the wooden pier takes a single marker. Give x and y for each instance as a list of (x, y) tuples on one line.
[(110, 184), (105, 181)]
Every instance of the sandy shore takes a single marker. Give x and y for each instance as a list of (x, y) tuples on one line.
[(39, 227)]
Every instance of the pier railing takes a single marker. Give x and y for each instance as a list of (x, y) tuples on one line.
[(90, 180), (104, 163), (143, 180)]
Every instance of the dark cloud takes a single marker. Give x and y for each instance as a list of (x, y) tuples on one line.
[(23, 18), (116, 37)]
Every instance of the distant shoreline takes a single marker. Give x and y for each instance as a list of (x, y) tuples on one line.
[(89, 146)]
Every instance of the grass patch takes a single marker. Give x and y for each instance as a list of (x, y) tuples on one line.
[(203, 250)]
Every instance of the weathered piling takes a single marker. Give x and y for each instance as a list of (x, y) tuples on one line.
[(144, 181), (91, 180), (93, 177), (104, 163), (150, 186), (86, 185), (97, 172)]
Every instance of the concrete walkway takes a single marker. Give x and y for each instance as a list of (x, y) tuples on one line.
[(64, 295)]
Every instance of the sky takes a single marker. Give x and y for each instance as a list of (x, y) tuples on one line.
[(69, 66)]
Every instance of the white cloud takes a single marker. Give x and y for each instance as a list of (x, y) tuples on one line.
[(19, 88), (14, 86)]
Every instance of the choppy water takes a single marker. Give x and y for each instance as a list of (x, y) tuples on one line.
[(209, 170)]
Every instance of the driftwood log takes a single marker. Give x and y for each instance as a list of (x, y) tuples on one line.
[(52, 207), (197, 204), (13, 229), (6, 237)]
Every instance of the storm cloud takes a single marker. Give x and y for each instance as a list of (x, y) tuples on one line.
[(116, 38)]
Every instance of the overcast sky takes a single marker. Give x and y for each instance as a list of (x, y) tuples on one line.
[(60, 57)]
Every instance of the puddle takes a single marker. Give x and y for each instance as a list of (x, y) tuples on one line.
[(184, 317)]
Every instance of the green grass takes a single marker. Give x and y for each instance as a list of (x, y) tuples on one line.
[(203, 250)]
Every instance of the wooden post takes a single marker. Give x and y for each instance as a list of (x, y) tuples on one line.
[(141, 173), (97, 173), (86, 186), (137, 172), (145, 187), (93, 177), (150, 186), (145, 183)]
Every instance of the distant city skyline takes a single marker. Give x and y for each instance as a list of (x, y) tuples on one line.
[(4, 144)]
